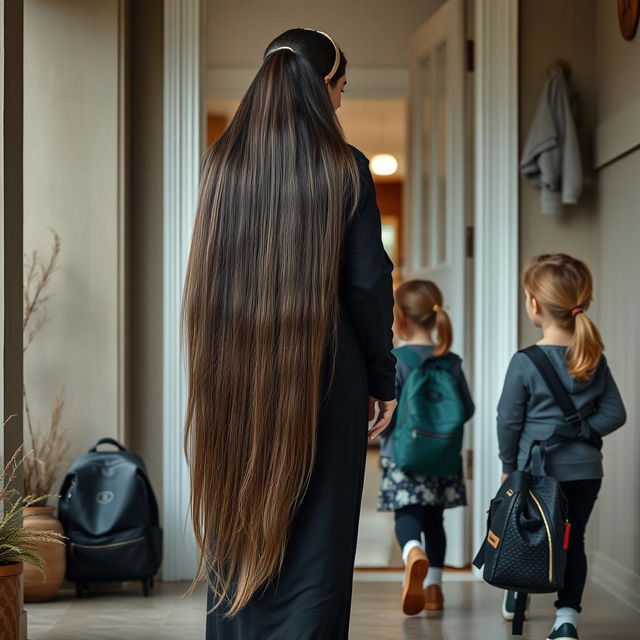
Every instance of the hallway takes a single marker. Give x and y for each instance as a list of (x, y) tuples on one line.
[(472, 614)]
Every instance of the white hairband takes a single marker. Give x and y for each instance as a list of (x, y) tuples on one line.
[(279, 49), (336, 62)]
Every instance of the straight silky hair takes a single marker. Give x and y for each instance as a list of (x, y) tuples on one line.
[(564, 288), (259, 313), (421, 302)]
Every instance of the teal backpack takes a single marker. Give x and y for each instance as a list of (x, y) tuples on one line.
[(429, 422)]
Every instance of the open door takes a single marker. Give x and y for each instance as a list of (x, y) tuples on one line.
[(436, 204)]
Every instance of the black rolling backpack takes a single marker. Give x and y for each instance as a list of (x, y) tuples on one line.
[(110, 517), (525, 549)]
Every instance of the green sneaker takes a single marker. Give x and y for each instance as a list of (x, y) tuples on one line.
[(509, 606), (565, 631)]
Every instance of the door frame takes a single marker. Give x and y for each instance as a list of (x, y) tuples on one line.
[(496, 234), (183, 146)]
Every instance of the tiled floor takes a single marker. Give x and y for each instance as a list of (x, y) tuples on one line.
[(472, 614)]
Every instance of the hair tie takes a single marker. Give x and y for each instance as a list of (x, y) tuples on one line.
[(436, 307), (577, 310)]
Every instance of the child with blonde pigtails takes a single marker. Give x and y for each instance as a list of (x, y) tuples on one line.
[(559, 291)]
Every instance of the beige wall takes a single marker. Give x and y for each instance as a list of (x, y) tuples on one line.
[(618, 513), (618, 75), (605, 231), (73, 182), (550, 30), (371, 32)]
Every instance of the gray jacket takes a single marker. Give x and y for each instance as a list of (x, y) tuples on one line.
[(551, 156), (528, 412), (402, 373)]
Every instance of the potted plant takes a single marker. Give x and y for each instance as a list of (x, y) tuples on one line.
[(17, 546), (48, 445)]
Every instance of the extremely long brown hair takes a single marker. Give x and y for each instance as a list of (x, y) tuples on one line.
[(259, 310), (564, 287)]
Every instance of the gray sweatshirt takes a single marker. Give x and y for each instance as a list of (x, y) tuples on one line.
[(551, 156), (528, 412), (402, 373)]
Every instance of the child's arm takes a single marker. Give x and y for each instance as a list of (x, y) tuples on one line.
[(610, 412), (511, 413)]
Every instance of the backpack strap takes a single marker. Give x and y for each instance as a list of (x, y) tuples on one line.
[(115, 443), (552, 380), (575, 427), (408, 356), (518, 614), (414, 361)]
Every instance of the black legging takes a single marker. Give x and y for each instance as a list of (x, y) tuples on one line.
[(581, 495), (413, 520)]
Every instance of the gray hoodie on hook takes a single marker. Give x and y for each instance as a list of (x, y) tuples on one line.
[(551, 156), (527, 411)]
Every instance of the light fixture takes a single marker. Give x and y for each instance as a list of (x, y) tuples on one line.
[(383, 164)]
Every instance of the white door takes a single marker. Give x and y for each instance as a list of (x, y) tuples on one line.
[(435, 217)]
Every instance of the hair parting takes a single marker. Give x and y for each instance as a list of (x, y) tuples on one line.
[(259, 312), (564, 287)]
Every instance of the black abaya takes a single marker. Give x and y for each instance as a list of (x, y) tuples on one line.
[(310, 599)]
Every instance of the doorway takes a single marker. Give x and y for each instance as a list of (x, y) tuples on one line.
[(495, 96)]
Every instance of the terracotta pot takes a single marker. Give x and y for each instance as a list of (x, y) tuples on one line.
[(10, 600), (53, 556)]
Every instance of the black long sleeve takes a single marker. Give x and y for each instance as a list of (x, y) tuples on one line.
[(367, 288)]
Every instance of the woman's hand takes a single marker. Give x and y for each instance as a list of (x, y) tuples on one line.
[(503, 478), (385, 413)]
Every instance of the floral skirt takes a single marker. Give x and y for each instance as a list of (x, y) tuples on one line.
[(399, 489)]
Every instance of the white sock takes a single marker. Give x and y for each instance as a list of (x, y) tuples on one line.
[(407, 547), (433, 577), (564, 615)]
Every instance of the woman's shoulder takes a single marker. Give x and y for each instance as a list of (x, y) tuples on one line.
[(361, 159)]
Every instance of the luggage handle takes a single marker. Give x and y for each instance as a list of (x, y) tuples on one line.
[(115, 443)]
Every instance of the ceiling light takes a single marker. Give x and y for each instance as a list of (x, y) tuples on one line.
[(383, 164)]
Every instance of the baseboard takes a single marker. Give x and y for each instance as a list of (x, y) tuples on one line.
[(622, 583)]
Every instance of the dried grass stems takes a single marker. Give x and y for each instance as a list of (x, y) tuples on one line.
[(18, 544), (48, 446)]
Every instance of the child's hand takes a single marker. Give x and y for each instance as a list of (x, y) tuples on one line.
[(385, 413)]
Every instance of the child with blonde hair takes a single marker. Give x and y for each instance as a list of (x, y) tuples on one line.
[(435, 406), (559, 291)]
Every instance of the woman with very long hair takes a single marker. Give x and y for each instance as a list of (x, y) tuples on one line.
[(287, 314)]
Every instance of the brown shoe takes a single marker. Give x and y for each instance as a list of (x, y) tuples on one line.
[(433, 598), (414, 573)]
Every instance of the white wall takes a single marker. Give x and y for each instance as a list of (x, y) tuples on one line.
[(73, 182)]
